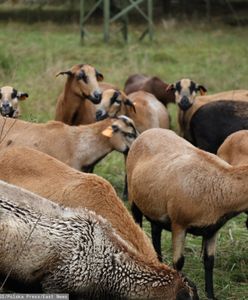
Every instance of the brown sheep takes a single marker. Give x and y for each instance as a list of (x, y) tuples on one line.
[(142, 107), (9, 101), (184, 189), (77, 252), (80, 147), (52, 179), (153, 85), (234, 150), (81, 85)]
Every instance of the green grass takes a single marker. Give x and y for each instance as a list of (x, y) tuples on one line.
[(211, 54)]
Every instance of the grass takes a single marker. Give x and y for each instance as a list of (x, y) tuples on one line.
[(211, 54)]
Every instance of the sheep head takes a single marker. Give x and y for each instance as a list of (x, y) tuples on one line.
[(83, 80)]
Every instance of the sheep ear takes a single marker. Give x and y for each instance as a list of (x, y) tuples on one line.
[(202, 90), (130, 103), (69, 73), (99, 76), (22, 96), (170, 87), (108, 132)]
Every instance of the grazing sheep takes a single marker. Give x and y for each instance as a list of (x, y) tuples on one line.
[(9, 101), (153, 85), (81, 85), (206, 121), (78, 252), (80, 147), (52, 179), (142, 107), (184, 189)]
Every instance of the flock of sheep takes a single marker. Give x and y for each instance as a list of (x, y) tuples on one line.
[(65, 230)]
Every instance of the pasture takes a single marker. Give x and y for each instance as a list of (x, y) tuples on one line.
[(210, 54)]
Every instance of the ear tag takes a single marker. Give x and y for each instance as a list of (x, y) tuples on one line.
[(108, 132)]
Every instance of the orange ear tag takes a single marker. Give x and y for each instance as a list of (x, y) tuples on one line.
[(108, 132)]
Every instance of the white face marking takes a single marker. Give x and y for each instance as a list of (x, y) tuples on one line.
[(8, 100), (185, 91)]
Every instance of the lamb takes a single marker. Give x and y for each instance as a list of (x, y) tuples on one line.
[(192, 191), (52, 179), (79, 253), (206, 121), (153, 85), (9, 101), (72, 106), (80, 147), (142, 107)]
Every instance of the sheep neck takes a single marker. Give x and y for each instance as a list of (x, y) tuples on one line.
[(92, 145)]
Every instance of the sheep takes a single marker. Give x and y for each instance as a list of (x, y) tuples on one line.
[(214, 121), (9, 101), (142, 107), (181, 188), (234, 150), (80, 147), (81, 85), (153, 85), (78, 252), (46, 176), (206, 121)]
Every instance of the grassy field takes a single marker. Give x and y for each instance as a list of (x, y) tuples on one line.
[(210, 54)]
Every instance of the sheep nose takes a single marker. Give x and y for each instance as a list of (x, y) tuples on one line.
[(5, 105), (184, 100), (184, 103), (98, 97), (100, 115)]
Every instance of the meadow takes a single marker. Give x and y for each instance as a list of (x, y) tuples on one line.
[(211, 54)]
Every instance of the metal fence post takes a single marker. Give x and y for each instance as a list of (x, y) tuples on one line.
[(106, 19)]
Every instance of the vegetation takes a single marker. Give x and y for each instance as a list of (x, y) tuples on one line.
[(211, 54)]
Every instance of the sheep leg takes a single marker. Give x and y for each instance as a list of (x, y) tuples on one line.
[(178, 241), (156, 238), (209, 253), (137, 214), (125, 191)]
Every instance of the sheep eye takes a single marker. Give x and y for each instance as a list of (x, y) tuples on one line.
[(178, 86), (192, 87), (1, 95), (14, 94), (115, 128), (129, 135), (114, 99), (82, 76)]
